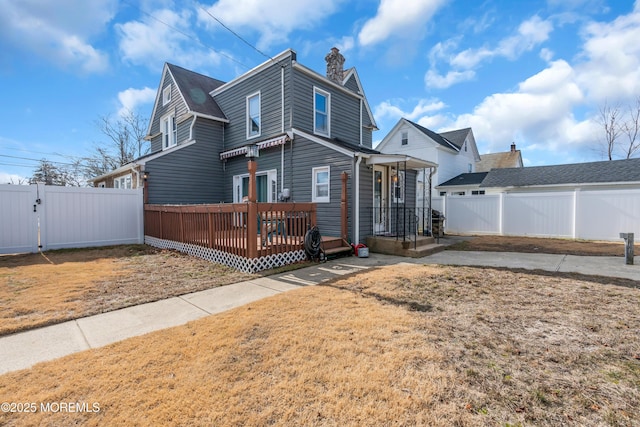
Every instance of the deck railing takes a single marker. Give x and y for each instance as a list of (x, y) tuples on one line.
[(248, 230)]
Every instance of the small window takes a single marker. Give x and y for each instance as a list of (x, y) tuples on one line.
[(458, 193), (405, 137), (253, 115), (443, 193), (470, 167), (477, 192), (322, 112), (169, 131), (166, 95), (320, 180), (122, 182)]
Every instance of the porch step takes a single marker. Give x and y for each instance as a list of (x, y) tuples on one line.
[(391, 246), (329, 242), (425, 250)]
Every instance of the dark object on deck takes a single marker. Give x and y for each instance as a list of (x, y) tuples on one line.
[(628, 247), (312, 245)]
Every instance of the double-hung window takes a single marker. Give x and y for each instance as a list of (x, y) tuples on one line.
[(253, 115), (166, 95), (169, 131), (321, 112), (320, 182), (405, 137)]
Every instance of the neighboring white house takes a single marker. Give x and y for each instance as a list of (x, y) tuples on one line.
[(454, 152)]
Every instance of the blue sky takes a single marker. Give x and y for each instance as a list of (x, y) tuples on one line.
[(531, 72)]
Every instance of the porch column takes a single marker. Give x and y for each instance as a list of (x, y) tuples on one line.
[(252, 212)]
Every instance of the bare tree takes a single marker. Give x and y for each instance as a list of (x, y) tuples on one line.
[(631, 128), (125, 143), (56, 174), (617, 122), (609, 119)]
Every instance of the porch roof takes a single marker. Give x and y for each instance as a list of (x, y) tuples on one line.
[(392, 159)]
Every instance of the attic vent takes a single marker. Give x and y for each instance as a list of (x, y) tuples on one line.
[(335, 65)]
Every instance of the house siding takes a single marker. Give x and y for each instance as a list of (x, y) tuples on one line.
[(176, 105), (352, 84), (345, 120), (233, 103), (192, 174)]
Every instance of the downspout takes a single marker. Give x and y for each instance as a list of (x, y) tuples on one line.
[(282, 95), (356, 191), (361, 121)]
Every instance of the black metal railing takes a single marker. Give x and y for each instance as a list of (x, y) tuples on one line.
[(406, 223)]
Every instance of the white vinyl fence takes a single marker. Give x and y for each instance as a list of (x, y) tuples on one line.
[(43, 217), (580, 214)]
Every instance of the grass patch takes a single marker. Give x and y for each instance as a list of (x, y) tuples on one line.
[(42, 289), (506, 348)]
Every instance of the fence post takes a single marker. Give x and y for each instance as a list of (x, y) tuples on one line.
[(628, 247)]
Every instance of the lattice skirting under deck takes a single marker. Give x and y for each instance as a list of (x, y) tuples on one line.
[(246, 265)]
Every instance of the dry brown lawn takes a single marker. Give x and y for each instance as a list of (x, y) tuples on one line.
[(401, 345), (38, 290), (539, 245)]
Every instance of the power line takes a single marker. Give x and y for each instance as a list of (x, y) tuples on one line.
[(36, 160), (237, 35), (196, 39)]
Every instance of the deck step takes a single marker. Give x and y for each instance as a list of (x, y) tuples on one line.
[(329, 242)]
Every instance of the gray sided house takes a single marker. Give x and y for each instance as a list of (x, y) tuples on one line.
[(310, 129)]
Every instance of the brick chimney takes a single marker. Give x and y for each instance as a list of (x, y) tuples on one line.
[(513, 147), (335, 65)]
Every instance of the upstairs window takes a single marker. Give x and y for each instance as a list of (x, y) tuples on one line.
[(166, 95), (320, 180), (321, 109), (405, 137), (253, 115), (169, 131)]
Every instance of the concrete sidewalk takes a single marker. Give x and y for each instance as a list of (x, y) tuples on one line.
[(23, 350)]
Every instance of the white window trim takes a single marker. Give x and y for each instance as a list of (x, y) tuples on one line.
[(314, 183), (123, 182), (166, 95), (249, 135), (173, 134), (317, 90), (404, 134), (272, 177), (400, 185)]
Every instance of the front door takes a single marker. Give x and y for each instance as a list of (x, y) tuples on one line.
[(380, 203)]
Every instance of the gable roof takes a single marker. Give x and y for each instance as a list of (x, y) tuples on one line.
[(473, 178), (435, 136), (612, 171), (195, 89), (457, 137), (353, 73), (509, 159)]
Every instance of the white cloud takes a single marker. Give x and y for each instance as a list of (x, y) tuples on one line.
[(386, 110), (59, 31), (398, 18), (530, 34), (152, 41), (130, 99), (434, 80), (610, 67), (540, 111), (11, 178), (274, 20)]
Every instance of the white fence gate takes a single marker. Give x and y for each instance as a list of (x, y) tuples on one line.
[(580, 214), (49, 217)]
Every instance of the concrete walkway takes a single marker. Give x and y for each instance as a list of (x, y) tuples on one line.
[(23, 350)]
